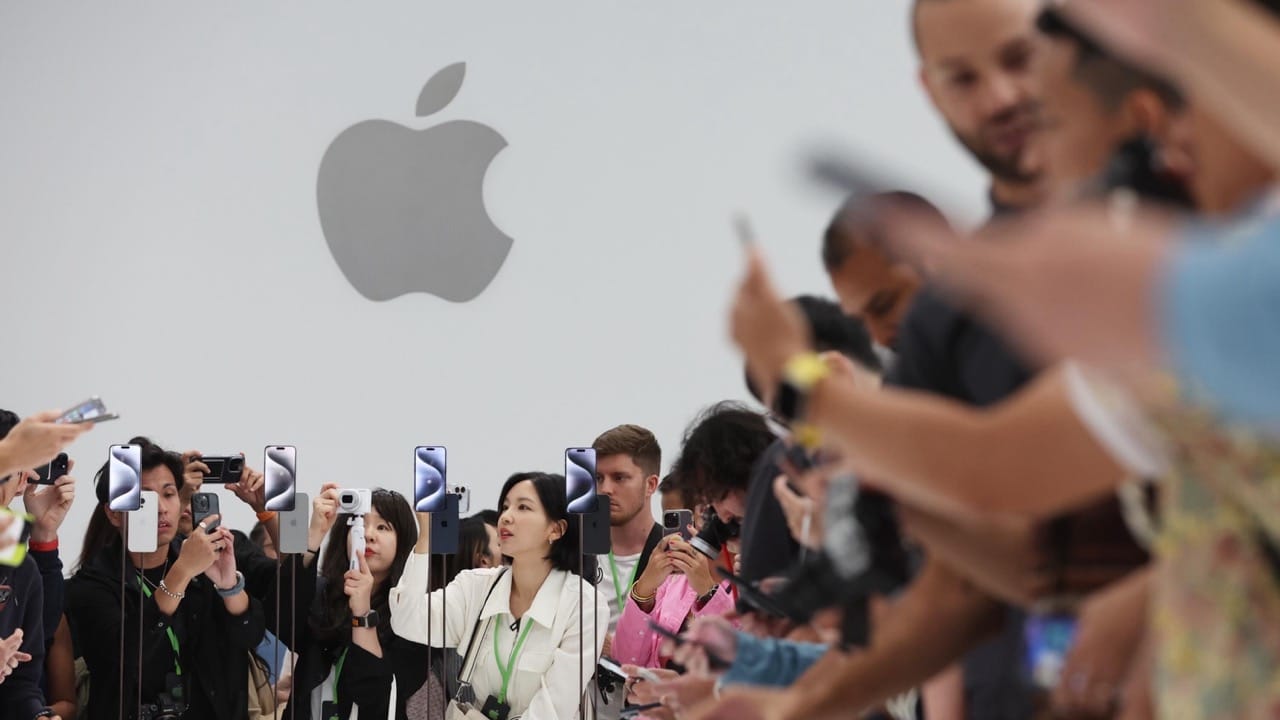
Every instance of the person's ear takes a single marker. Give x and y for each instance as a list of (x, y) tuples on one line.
[(1147, 113), (651, 485), (558, 529)]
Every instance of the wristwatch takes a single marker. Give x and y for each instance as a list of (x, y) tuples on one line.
[(799, 376), (234, 589), (369, 620)]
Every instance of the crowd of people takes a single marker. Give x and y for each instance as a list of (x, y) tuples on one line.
[(1024, 470)]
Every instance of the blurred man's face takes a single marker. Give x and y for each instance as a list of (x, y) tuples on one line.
[(976, 64), (876, 291), (1078, 134)]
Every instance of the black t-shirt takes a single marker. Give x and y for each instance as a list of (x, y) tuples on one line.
[(946, 351), (768, 550)]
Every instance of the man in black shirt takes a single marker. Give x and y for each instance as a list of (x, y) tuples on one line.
[(768, 549)]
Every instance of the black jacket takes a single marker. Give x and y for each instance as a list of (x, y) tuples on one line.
[(21, 601), (214, 645), (365, 680)]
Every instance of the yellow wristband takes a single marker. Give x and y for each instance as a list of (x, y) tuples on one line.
[(805, 370)]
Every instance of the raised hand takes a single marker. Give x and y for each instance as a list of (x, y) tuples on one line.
[(49, 505)]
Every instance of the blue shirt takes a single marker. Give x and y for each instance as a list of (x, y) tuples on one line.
[(771, 662), (1220, 306)]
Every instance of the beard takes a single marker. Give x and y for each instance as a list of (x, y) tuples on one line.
[(624, 516), (1007, 166)]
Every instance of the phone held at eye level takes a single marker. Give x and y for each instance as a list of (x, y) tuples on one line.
[(144, 523), (204, 505), (124, 478), (223, 469), (677, 521), (91, 410), (430, 472), (294, 526), (580, 479), (281, 465), (49, 474)]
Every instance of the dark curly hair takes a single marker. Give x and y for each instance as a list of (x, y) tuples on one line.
[(719, 449), (331, 614)]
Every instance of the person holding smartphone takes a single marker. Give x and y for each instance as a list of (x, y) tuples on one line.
[(22, 625), (188, 622), (519, 629), (347, 654), (677, 586)]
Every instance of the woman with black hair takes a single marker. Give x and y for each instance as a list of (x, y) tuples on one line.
[(186, 600), (347, 654), (519, 628)]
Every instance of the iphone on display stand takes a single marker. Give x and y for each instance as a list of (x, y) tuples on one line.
[(144, 523), (281, 463)]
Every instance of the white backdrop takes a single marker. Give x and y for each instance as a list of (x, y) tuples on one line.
[(161, 246)]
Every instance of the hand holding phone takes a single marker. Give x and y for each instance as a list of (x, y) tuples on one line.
[(716, 662), (612, 666), (49, 474), (92, 410)]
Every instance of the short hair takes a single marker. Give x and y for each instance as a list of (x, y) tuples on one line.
[(1107, 76), (8, 421), (831, 329), (670, 484), (857, 220), (719, 450), (631, 440)]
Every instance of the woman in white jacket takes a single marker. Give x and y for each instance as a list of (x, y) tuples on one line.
[(520, 628)]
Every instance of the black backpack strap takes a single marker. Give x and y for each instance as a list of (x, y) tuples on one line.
[(650, 544), (471, 644)]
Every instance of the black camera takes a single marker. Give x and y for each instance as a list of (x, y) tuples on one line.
[(715, 533), (170, 704)]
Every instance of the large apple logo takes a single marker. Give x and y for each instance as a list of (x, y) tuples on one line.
[(403, 210)]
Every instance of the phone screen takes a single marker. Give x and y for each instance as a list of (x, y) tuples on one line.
[(281, 465), (430, 470), (124, 478), (580, 479)]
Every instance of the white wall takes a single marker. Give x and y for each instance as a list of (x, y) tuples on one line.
[(161, 245)]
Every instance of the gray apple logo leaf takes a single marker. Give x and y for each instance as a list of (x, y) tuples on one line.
[(441, 89)]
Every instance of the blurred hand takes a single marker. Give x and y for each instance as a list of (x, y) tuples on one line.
[(37, 440), (768, 330)]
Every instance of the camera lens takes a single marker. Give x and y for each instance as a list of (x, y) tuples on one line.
[(348, 498)]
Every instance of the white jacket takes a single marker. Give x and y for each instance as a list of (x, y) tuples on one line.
[(547, 680)]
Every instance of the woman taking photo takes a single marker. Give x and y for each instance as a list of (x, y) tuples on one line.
[(517, 628), (187, 600), (347, 654)]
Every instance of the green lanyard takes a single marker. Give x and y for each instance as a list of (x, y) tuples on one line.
[(618, 590), (509, 670), (173, 638), (337, 673)]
